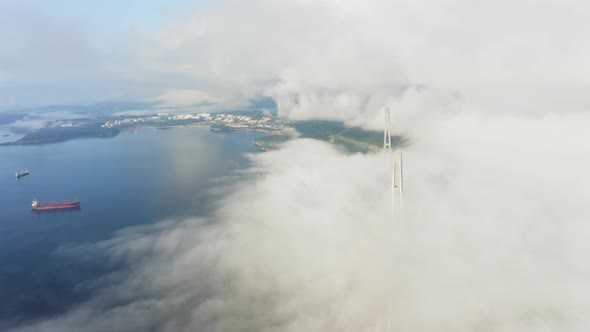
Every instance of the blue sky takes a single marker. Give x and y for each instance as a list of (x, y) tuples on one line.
[(107, 21), (60, 51)]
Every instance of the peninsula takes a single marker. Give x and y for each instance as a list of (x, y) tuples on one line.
[(353, 139)]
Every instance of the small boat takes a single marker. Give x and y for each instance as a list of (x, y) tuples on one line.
[(22, 173), (47, 206)]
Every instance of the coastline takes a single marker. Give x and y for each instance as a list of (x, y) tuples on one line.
[(49, 140), (352, 139)]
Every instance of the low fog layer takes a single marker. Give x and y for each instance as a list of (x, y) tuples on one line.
[(494, 239)]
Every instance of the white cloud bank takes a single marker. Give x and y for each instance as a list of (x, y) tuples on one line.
[(329, 59), (347, 59)]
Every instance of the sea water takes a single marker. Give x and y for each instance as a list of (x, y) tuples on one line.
[(137, 177)]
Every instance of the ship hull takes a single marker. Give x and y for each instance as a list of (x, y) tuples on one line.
[(71, 206)]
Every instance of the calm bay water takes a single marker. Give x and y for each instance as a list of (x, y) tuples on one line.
[(137, 177)]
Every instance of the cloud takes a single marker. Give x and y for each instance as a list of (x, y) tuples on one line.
[(198, 101), (342, 60), (46, 60), (320, 67), (41, 119), (40, 48), (348, 59), (494, 239), (29, 124)]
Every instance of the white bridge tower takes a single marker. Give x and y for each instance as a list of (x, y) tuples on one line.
[(397, 178), (397, 185), (387, 130)]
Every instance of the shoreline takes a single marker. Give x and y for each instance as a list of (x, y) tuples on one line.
[(331, 132), (114, 134)]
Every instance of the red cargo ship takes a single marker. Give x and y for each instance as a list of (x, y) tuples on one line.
[(64, 205)]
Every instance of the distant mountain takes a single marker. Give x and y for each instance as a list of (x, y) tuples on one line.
[(110, 107), (98, 109)]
